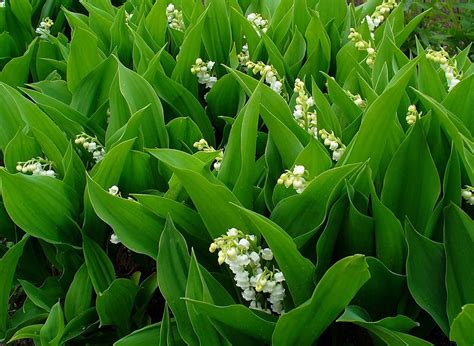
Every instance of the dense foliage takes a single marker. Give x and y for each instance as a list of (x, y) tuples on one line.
[(233, 172)]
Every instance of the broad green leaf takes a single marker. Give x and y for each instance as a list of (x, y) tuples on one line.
[(390, 245), (392, 330), (335, 290), (99, 267), (407, 197), (217, 36), (426, 269), (115, 304), (250, 323), (203, 187), (80, 324), (16, 71), (189, 52), (288, 136), (20, 149), (196, 289), (79, 295), (181, 100), (26, 197), (120, 213), (302, 213), (146, 336), (172, 268), (83, 57), (238, 168), (379, 118), (8, 265), (52, 330), (459, 248), (461, 328), (186, 218), (381, 302), (28, 332), (135, 93)]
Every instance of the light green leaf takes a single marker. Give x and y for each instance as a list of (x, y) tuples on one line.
[(304, 325), (8, 264), (120, 213), (57, 205)]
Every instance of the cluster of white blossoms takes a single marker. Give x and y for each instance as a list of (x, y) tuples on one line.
[(412, 115), (37, 166), (202, 145), (447, 64), (304, 112), (258, 23), (92, 145), (250, 265), (294, 178), (175, 18), (203, 71), (244, 56), (361, 44), (44, 27), (381, 12), (357, 99), (2, 3), (468, 194), (269, 72), (333, 143)]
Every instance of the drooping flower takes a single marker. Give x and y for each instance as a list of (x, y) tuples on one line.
[(412, 115), (203, 71), (304, 113), (294, 179), (175, 18), (92, 145), (448, 65), (468, 194), (37, 166), (202, 145), (270, 74), (44, 27), (333, 143), (258, 23)]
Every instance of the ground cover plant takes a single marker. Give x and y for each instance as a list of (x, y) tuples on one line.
[(233, 172)]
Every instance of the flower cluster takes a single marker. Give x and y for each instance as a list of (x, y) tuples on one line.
[(203, 71), (270, 74), (244, 56), (92, 145), (357, 99), (381, 12), (258, 22), (412, 115), (37, 166), (202, 145), (305, 117), (294, 178), (468, 194), (2, 3), (447, 64), (361, 44), (250, 265), (44, 27), (333, 143), (175, 18)]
